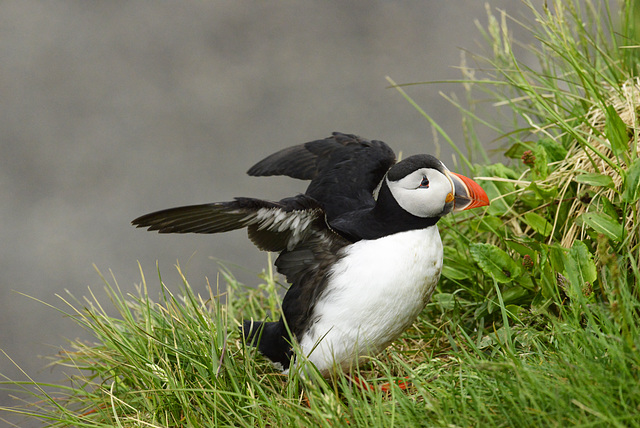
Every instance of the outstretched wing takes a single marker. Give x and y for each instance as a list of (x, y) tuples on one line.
[(271, 226), (295, 227), (344, 170), (305, 161)]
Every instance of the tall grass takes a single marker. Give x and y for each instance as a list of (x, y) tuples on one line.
[(536, 321)]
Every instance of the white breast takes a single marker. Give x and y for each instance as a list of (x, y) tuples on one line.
[(375, 292)]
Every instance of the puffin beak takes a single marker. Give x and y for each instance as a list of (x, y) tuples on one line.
[(467, 193)]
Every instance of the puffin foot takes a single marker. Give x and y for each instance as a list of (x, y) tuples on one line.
[(385, 387)]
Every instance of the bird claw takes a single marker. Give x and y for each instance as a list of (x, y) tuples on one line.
[(385, 387)]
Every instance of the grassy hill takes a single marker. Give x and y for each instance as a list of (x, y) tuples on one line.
[(536, 321)]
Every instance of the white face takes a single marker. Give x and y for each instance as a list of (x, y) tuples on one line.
[(423, 193)]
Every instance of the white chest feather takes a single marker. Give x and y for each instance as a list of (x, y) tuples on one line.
[(374, 293)]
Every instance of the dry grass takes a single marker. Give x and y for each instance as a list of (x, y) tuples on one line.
[(597, 157)]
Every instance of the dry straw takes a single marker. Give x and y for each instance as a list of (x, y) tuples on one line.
[(597, 157)]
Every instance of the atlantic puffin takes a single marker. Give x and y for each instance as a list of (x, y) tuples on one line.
[(360, 248)]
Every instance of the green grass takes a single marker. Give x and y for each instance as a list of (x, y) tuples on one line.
[(536, 321)]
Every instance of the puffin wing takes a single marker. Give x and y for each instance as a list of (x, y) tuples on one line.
[(271, 226), (295, 227), (344, 170), (307, 268), (305, 161)]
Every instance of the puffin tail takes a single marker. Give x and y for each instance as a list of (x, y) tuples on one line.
[(272, 340)]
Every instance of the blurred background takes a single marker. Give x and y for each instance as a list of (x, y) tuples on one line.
[(112, 109)]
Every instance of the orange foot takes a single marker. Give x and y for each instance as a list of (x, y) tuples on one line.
[(385, 387)]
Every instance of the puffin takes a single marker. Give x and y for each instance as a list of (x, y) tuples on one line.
[(360, 247)]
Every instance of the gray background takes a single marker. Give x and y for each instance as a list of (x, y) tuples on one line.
[(112, 109)]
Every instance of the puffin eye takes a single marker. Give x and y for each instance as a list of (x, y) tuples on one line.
[(424, 183)]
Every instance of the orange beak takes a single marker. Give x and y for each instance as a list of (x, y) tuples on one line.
[(468, 193)]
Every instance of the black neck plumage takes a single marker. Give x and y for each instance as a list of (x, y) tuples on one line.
[(386, 218)]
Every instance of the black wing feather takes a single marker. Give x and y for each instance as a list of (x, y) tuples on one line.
[(272, 226), (344, 170), (307, 268), (306, 161)]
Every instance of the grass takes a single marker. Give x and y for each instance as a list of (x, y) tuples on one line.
[(536, 321)]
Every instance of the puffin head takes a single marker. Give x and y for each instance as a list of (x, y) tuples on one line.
[(425, 188)]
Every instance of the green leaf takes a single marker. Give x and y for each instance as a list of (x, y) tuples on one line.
[(495, 262), (594, 179), (455, 273), (457, 267), (501, 194), (500, 170), (540, 169), (516, 151), (555, 151), (514, 294), (543, 193), (603, 223), (538, 223), (608, 207), (556, 257), (616, 132), (516, 312), (445, 301), (491, 224), (632, 183), (580, 268), (520, 248), (548, 281), (499, 205)]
